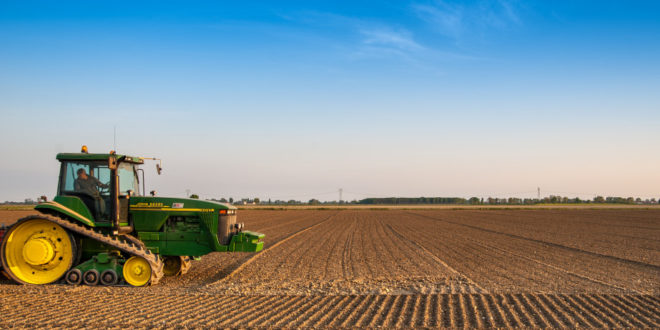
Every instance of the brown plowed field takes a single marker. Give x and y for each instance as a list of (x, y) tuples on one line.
[(395, 268)]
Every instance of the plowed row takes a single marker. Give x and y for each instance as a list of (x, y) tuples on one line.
[(395, 268), (437, 310)]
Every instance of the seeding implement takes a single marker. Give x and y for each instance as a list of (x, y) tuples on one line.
[(101, 228)]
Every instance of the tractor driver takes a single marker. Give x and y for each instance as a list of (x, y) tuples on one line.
[(89, 185)]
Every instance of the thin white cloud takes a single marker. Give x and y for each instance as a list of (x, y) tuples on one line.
[(368, 39), (457, 20), (387, 38), (446, 19), (368, 36)]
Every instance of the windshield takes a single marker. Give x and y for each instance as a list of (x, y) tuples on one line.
[(127, 178)]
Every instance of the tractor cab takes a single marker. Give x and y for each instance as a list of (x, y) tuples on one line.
[(103, 183)]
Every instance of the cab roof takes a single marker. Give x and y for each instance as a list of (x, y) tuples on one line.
[(101, 157)]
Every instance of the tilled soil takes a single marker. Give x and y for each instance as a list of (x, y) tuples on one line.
[(394, 268)]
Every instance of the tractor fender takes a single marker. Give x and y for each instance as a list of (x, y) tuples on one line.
[(56, 208)]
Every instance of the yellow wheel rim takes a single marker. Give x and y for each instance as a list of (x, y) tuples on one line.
[(37, 252), (137, 271)]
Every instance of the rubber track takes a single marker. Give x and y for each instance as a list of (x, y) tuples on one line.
[(113, 241)]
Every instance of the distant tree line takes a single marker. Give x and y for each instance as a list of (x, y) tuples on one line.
[(552, 199), (422, 200)]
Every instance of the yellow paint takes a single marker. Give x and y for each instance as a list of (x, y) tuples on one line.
[(38, 252), (80, 216), (137, 271), (170, 209), (142, 204)]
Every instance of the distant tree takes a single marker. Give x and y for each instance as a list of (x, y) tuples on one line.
[(257, 200), (231, 199), (314, 201), (223, 200), (599, 199), (474, 200), (194, 196)]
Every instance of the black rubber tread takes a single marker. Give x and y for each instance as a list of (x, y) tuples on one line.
[(186, 263), (113, 241), (133, 239)]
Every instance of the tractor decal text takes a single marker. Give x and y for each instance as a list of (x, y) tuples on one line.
[(168, 209), (148, 205)]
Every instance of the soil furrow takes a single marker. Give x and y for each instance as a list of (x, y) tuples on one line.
[(258, 255), (635, 306), (628, 261), (358, 312), (393, 308), (623, 318), (596, 310), (346, 311), (521, 317), (383, 310), (323, 311), (440, 261), (404, 313), (592, 318), (284, 318)]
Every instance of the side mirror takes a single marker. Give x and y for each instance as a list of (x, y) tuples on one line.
[(158, 169)]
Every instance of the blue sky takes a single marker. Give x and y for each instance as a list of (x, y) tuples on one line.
[(298, 99)]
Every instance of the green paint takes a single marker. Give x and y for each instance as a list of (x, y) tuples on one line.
[(75, 204), (102, 262), (59, 209)]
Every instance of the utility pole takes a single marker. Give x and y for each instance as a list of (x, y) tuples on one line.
[(340, 193), (538, 192)]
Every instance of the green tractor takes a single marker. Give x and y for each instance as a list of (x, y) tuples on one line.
[(101, 228)]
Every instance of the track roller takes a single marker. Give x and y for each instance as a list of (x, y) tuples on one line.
[(73, 277), (109, 277), (91, 277)]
